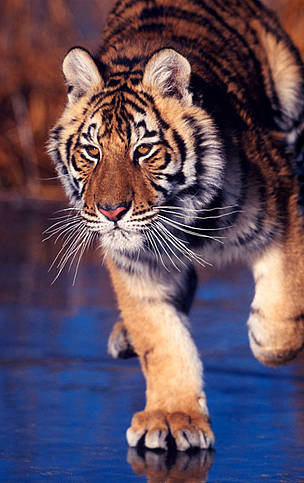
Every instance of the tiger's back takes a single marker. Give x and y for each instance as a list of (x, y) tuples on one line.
[(236, 48)]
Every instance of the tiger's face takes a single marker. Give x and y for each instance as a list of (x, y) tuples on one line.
[(133, 144)]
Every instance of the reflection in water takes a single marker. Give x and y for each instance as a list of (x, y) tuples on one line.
[(165, 467)]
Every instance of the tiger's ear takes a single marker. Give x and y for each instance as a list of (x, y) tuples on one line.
[(169, 72), (80, 72)]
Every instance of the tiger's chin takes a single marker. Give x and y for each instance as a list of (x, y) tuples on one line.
[(121, 241)]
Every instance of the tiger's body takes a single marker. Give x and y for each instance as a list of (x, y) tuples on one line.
[(177, 148)]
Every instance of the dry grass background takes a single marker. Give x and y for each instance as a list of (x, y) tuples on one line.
[(34, 36)]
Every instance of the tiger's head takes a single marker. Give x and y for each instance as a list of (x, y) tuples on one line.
[(132, 143)]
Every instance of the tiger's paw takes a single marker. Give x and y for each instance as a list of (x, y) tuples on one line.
[(119, 344), (273, 356), (154, 429), (274, 342)]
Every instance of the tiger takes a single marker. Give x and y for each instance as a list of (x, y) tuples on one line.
[(179, 147)]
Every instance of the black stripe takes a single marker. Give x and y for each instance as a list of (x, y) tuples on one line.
[(55, 133), (135, 94), (143, 218), (177, 178), (127, 61), (166, 162), (156, 27), (68, 146), (134, 105), (299, 318), (118, 12), (76, 184), (199, 150), (159, 188), (191, 190), (75, 194), (73, 163), (148, 134), (63, 169), (127, 117), (111, 107), (181, 146), (58, 159), (95, 97), (159, 118), (152, 156), (185, 290), (81, 127), (126, 73), (87, 160), (82, 189), (135, 81)]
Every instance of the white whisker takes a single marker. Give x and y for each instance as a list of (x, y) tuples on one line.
[(62, 229), (181, 227), (60, 176), (74, 247), (61, 223), (69, 249), (156, 229), (156, 250), (182, 215), (65, 216), (66, 209), (85, 244), (63, 247), (193, 209), (182, 248), (160, 240), (81, 242)]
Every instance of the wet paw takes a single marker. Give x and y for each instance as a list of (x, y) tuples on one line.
[(156, 427), (119, 344)]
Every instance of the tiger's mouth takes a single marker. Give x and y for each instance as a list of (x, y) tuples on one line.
[(119, 239)]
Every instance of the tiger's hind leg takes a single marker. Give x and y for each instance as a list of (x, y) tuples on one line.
[(276, 322)]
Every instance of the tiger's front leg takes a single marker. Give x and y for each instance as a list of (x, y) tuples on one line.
[(175, 401)]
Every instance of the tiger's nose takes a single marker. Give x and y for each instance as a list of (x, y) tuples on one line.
[(114, 212)]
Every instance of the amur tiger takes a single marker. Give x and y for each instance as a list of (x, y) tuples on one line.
[(177, 148)]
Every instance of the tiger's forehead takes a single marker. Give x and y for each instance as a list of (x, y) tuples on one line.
[(118, 115)]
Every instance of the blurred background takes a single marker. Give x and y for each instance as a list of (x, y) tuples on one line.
[(34, 37)]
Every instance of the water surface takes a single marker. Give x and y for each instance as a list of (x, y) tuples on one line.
[(65, 404)]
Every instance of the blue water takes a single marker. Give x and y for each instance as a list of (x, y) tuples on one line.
[(65, 404)]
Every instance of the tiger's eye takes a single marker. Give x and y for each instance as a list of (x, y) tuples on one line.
[(143, 149), (92, 151)]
